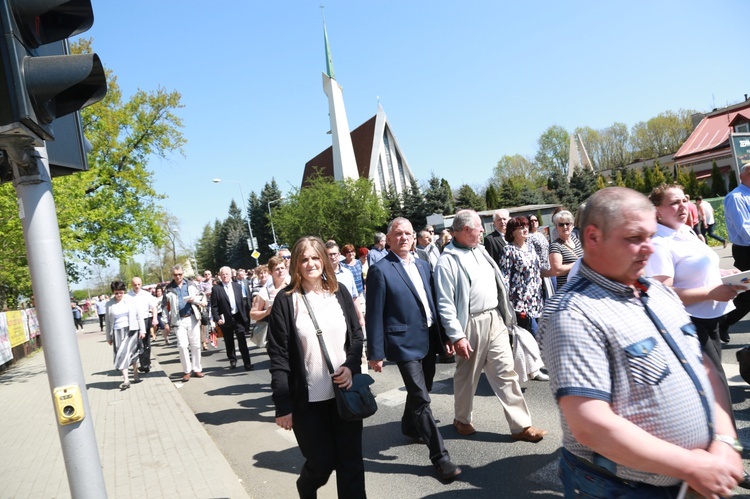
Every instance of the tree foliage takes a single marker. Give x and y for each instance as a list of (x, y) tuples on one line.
[(554, 151), (662, 134), (348, 211), (466, 198), (718, 187), (110, 211)]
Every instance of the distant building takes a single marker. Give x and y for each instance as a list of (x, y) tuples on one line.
[(709, 141), (370, 151)]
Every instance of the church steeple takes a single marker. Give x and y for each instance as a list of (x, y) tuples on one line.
[(329, 57), (344, 162)]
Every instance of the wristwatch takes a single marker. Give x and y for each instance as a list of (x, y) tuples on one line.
[(730, 441)]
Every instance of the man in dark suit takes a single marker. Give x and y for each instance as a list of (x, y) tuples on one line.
[(229, 310), (402, 326), (495, 242)]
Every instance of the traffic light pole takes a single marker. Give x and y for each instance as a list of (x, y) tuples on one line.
[(32, 181)]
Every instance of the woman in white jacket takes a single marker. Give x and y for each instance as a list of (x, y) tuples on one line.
[(123, 325)]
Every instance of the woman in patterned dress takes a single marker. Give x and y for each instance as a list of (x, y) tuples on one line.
[(123, 326)]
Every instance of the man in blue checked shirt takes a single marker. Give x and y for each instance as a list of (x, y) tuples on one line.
[(642, 410), (737, 213)]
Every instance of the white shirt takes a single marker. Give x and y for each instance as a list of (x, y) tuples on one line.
[(708, 212), (346, 279), (416, 279), (145, 301), (679, 254), (230, 293)]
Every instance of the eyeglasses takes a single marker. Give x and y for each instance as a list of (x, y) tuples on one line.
[(534, 221), (287, 257), (564, 224), (176, 275), (333, 254)]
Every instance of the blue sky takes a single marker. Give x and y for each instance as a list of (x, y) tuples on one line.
[(462, 83)]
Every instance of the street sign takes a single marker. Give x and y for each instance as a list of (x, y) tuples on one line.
[(255, 254)]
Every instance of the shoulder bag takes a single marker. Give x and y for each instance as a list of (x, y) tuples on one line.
[(357, 402)]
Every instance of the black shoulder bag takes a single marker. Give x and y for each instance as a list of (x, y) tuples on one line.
[(357, 402)]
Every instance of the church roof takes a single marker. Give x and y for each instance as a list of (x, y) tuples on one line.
[(362, 139)]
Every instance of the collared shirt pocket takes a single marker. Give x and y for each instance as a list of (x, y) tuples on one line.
[(648, 365)]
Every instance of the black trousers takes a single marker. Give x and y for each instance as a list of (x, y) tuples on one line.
[(101, 322), (417, 418), (144, 358), (235, 329), (328, 444), (708, 334), (741, 256)]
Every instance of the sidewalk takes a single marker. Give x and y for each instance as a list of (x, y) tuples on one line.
[(148, 449)]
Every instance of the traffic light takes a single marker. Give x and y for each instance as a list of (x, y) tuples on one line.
[(37, 88)]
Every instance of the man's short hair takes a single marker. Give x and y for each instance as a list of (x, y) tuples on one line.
[(608, 208), (331, 244), (397, 221), (464, 218), (498, 213), (423, 233), (379, 236), (176, 267)]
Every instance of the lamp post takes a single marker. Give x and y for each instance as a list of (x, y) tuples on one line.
[(251, 243), (270, 217)]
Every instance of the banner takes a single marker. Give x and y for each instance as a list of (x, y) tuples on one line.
[(16, 329), (740, 150), (32, 321), (6, 353)]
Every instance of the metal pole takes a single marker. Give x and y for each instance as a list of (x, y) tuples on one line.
[(271, 220), (33, 184)]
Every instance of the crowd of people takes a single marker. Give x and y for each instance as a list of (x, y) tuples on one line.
[(624, 304)]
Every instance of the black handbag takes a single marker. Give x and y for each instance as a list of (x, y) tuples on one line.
[(357, 402)]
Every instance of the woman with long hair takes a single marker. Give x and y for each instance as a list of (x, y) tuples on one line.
[(301, 383)]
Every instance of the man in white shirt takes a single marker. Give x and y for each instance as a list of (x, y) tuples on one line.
[(344, 277), (147, 307)]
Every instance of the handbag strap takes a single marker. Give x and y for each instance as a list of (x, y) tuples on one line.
[(319, 334)]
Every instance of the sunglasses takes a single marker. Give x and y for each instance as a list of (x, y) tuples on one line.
[(564, 224), (287, 257), (176, 275)]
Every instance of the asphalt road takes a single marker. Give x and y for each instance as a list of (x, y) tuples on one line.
[(236, 410)]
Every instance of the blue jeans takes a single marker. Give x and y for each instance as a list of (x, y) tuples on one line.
[(582, 480)]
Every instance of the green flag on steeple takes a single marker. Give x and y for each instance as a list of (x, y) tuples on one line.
[(329, 59)]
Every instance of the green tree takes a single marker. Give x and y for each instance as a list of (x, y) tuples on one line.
[(466, 198), (438, 197), (414, 206), (233, 237), (600, 182), (661, 134), (491, 197), (718, 187), (392, 202), (560, 191), (112, 210), (204, 253), (554, 150), (634, 179), (510, 193), (514, 167), (262, 226), (583, 184), (348, 211), (732, 180)]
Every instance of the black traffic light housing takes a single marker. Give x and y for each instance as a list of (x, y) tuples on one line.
[(36, 88)]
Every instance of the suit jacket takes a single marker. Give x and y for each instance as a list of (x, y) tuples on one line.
[(220, 303), (396, 320), (494, 244), (429, 254)]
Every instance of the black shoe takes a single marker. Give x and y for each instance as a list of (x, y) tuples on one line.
[(412, 434), (446, 359), (232, 364), (249, 367), (447, 470), (723, 330), (144, 369)]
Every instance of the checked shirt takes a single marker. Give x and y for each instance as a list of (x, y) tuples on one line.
[(598, 341)]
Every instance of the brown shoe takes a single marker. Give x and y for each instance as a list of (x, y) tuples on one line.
[(529, 434), (464, 428), (198, 374), (186, 378)]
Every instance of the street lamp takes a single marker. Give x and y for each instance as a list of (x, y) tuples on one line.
[(275, 244), (251, 243)]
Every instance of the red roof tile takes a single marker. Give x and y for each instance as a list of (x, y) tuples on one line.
[(712, 132)]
